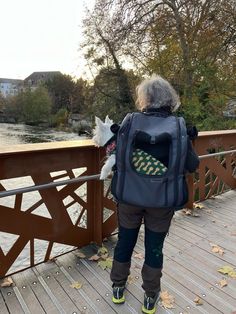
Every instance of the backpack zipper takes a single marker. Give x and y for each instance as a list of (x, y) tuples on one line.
[(123, 156), (178, 154)]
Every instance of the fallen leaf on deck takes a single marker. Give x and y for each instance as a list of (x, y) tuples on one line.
[(141, 237), (198, 301), (232, 274), (225, 270), (223, 283), (52, 259), (167, 300), (80, 254), (94, 258), (139, 256), (198, 205), (104, 256), (209, 211), (130, 279), (213, 221), (7, 282), (106, 264), (188, 212), (137, 267), (191, 212), (76, 285), (233, 233), (102, 250), (216, 249)]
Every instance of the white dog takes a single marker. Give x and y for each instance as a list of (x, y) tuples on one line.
[(102, 136)]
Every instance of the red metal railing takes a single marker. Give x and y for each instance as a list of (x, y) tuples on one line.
[(215, 174), (34, 225)]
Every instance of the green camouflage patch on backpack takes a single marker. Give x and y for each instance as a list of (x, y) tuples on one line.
[(147, 164)]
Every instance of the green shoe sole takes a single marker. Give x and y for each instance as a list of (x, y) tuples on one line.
[(148, 311), (118, 301)]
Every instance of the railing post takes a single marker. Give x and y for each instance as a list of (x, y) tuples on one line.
[(190, 182), (98, 190)]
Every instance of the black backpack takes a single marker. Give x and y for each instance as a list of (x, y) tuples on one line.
[(141, 178)]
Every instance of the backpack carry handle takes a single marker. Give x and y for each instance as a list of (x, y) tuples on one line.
[(143, 137)]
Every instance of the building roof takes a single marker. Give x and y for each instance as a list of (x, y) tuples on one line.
[(36, 76), (13, 81)]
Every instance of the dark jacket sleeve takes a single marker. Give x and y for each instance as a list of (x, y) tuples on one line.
[(192, 160)]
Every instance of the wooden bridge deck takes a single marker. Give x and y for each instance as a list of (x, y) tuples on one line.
[(190, 271)]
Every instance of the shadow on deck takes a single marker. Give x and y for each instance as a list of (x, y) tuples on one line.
[(190, 271)]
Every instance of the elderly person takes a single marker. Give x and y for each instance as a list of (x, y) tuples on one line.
[(154, 96)]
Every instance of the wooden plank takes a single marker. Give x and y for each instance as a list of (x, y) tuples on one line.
[(198, 286), (133, 295), (184, 298), (131, 304), (216, 231), (55, 291), (22, 280), (205, 269), (82, 301), (215, 133), (227, 195), (209, 230), (186, 295), (28, 279), (220, 202), (137, 280), (3, 307), (182, 303), (132, 290), (28, 148), (95, 287), (212, 238), (211, 227), (222, 213), (95, 298), (205, 217), (199, 252), (11, 300), (203, 245)]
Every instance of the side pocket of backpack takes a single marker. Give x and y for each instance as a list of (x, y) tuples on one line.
[(114, 183), (185, 191)]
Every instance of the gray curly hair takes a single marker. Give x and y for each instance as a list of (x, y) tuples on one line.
[(156, 92)]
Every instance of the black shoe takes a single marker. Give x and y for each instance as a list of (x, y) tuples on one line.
[(118, 295), (149, 304)]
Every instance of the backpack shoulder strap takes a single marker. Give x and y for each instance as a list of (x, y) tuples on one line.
[(183, 142), (125, 122)]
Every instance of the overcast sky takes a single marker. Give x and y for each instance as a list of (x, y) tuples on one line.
[(40, 35)]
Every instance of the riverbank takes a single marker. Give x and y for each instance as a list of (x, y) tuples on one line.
[(74, 123), (13, 134)]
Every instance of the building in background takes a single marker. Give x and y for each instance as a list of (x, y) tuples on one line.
[(10, 87), (37, 78)]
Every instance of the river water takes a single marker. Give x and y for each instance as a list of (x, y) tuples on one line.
[(12, 134)]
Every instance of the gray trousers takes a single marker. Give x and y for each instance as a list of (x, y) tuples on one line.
[(157, 223)]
